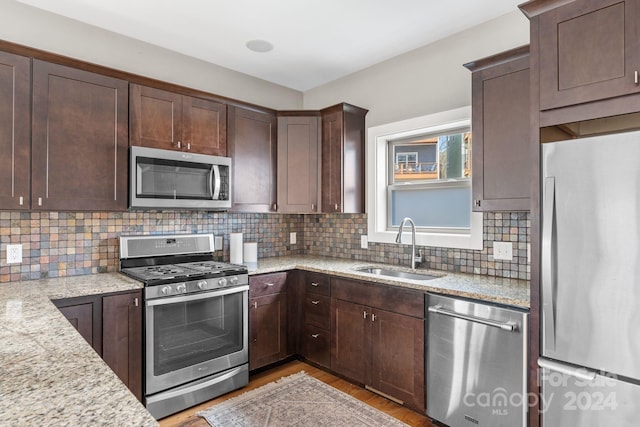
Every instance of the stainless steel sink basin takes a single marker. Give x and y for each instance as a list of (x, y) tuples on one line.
[(396, 273)]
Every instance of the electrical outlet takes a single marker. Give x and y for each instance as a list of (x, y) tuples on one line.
[(217, 243), (364, 242), (292, 238), (14, 254), (503, 251)]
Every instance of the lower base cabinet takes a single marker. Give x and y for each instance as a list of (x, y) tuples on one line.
[(382, 348), (112, 325)]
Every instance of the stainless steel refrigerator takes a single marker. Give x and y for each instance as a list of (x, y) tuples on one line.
[(590, 276)]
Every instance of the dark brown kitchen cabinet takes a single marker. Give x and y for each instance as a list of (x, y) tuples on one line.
[(588, 51), (15, 122), (267, 319), (501, 128), (85, 314), (342, 168), (122, 338), (171, 121), (378, 338), (79, 140), (316, 341), (252, 144), (112, 325), (298, 160)]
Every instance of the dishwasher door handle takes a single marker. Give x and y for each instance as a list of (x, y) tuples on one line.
[(501, 325)]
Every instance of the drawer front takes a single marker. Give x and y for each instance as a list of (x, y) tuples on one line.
[(266, 284), (317, 345), (386, 297), (317, 283), (317, 310)]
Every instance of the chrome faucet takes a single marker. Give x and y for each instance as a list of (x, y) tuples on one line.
[(414, 258)]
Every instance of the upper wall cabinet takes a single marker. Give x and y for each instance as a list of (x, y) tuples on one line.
[(168, 120), (252, 146), (588, 51), (79, 139), (500, 126), (298, 159), (343, 159), (15, 119)]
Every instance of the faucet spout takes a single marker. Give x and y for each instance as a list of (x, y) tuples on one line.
[(413, 240)]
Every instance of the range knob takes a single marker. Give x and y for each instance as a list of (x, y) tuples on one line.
[(233, 280), (181, 288), (166, 290), (222, 282), (202, 285)]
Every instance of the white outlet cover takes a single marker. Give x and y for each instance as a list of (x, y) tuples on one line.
[(217, 243), (364, 242), (292, 238), (14, 254), (503, 251)]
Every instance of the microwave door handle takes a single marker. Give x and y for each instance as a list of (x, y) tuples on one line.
[(548, 276), (215, 182)]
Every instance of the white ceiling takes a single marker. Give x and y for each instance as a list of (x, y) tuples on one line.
[(315, 41)]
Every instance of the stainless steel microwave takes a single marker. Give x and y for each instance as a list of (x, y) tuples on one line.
[(166, 179)]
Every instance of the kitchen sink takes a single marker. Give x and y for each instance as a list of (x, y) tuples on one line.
[(378, 271)]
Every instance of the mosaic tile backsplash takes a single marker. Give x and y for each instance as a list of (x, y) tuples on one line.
[(58, 244)]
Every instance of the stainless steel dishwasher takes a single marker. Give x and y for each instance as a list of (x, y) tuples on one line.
[(476, 363)]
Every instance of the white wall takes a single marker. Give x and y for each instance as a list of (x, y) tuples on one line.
[(427, 80), (36, 28)]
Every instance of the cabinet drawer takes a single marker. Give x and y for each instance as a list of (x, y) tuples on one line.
[(317, 310), (317, 345), (267, 284), (317, 283)]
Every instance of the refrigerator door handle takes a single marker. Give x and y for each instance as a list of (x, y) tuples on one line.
[(548, 276), (580, 373)]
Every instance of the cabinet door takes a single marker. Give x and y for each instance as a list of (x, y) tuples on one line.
[(268, 326), (204, 126), (350, 339), (298, 143), (84, 313), (588, 51), (122, 338), (156, 118), (15, 124), (79, 140), (501, 149), (332, 125), (317, 345), (397, 357), (252, 146)]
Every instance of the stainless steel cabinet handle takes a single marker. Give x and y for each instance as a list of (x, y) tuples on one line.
[(313, 207), (548, 309), (39, 201), (315, 335), (255, 304), (580, 373), (268, 285), (504, 326), (373, 317), (179, 144), (336, 206), (315, 284), (315, 302), (21, 200), (477, 203), (635, 77), (135, 302), (364, 314), (188, 146)]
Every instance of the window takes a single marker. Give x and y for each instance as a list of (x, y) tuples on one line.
[(421, 168)]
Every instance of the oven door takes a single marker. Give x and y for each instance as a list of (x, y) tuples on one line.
[(193, 336)]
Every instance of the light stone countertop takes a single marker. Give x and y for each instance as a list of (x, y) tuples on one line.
[(512, 292), (49, 375)]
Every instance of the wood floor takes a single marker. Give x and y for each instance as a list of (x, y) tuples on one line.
[(188, 419)]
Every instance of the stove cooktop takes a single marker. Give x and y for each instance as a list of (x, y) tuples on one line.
[(166, 273)]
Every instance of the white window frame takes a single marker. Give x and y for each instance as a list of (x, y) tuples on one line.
[(377, 164)]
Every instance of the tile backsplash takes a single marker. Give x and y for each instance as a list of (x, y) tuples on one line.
[(58, 244)]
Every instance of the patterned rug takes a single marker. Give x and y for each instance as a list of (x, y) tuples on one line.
[(297, 400)]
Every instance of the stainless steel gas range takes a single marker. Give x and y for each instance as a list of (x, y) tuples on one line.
[(196, 319)]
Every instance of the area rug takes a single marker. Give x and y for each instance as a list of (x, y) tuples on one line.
[(297, 400)]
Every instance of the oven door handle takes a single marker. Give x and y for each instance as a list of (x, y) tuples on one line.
[(198, 296)]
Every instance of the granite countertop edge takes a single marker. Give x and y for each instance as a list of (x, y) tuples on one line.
[(513, 292)]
